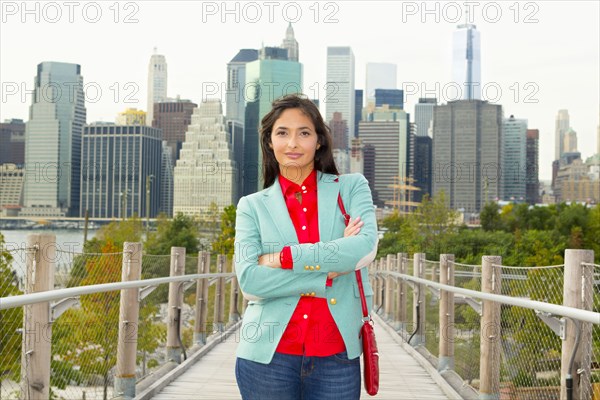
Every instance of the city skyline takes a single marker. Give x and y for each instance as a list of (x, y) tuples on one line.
[(553, 66)]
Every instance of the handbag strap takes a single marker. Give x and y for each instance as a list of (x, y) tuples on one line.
[(361, 290)]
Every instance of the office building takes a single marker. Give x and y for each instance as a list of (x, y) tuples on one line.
[(267, 79), (205, 173), (562, 125), (394, 98), (424, 115), (157, 83), (53, 141), (385, 135), (291, 44), (12, 142), (467, 138), (514, 159), (340, 95), (119, 162), (235, 100), (172, 118), (532, 182)]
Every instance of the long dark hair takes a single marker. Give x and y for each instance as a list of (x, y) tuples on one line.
[(324, 161)]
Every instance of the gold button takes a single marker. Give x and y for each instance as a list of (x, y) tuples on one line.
[(301, 294), (306, 267), (318, 267), (333, 301), (313, 294), (312, 268)]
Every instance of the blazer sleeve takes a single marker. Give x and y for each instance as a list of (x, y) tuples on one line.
[(348, 253), (259, 281)]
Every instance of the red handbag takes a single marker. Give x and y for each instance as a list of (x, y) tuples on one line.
[(370, 352)]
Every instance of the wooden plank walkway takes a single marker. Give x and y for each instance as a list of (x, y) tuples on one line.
[(402, 377)]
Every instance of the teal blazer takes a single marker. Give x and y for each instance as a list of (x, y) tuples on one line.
[(263, 225)]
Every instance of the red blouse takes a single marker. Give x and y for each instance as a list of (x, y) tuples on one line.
[(312, 330)]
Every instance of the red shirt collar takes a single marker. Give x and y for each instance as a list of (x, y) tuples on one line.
[(310, 183)]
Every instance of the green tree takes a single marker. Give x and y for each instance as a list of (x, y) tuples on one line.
[(117, 232), (225, 240), (490, 217), (10, 319), (92, 345), (181, 231)]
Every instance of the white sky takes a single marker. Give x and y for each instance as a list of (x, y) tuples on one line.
[(553, 58)]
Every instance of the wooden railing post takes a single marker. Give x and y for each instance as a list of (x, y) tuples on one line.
[(446, 314), (577, 293), (174, 349), (401, 285), (219, 313), (389, 289), (202, 284), (419, 306), (37, 329), (234, 314), (128, 322), (489, 363)]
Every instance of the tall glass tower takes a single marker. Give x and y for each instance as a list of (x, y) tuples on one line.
[(466, 61), (157, 83), (340, 95), (53, 141), (266, 80)]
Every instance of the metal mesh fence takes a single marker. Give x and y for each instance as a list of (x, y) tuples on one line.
[(467, 323), (531, 350), (432, 307), (84, 338), (593, 391), (12, 273)]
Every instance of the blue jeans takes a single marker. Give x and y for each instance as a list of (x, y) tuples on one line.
[(290, 377)]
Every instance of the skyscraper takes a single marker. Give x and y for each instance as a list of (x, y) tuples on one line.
[(385, 135), (379, 76), (267, 79), (53, 141), (467, 135), (532, 182), (394, 98), (562, 125), (514, 159), (466, 61), (119, 160), (236, 82), (570, 141), (205, 172), (340, 95), (12, 142), (423, 167), (157, 83), (358, 106), (424, 115), (291, 44), (166, 180), (172, 118)]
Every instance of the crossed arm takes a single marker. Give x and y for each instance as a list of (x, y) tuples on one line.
[(261, 276)]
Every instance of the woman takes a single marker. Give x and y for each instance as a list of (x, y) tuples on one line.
[(293, 257)]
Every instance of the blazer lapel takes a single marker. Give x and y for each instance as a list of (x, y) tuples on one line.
[(276, 209), (328, 189)]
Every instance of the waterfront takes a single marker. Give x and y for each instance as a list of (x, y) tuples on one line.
[(66, 239)]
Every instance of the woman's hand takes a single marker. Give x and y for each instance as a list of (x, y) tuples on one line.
[(353, 227), (270, 260)]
